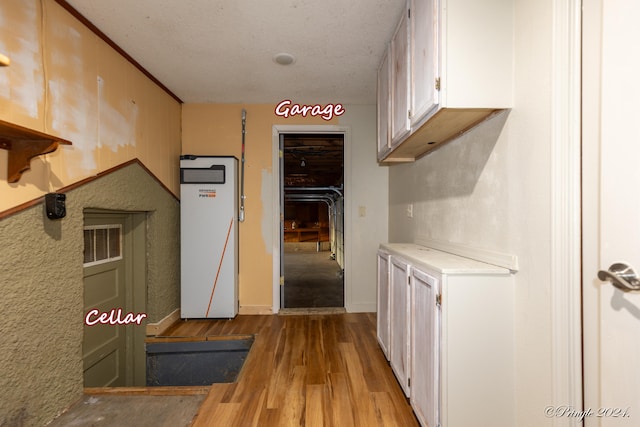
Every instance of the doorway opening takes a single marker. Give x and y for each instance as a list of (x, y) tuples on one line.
[(312, 220)]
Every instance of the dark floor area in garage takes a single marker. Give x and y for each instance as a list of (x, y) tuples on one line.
[(311, 279)]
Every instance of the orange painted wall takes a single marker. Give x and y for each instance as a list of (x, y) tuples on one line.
[(65, 81), (216, 129)]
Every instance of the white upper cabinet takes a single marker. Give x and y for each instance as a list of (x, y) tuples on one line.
[(423, 59), (400, 125), (460, 62), (384, 104)]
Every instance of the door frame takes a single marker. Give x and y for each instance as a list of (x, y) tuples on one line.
[(135, 240), (566, 227), (276, 211)]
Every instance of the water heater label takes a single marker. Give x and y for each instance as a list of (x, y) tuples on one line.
[(207, 192)]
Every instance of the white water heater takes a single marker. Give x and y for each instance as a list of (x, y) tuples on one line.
[(209, 236)]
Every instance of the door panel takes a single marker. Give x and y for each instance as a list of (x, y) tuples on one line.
[(620, 224), (104, 345), (612, 211)]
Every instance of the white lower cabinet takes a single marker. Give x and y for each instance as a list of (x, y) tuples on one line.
[(383, 323), (425, 346), (451, 335), (399, 321)]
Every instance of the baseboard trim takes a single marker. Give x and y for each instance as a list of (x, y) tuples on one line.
[(255, 309), (362, 308), (160, 327)]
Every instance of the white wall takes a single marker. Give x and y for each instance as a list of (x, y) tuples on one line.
[(366, 207), (491, 188)]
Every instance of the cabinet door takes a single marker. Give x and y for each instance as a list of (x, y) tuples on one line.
[(424, 58), (383, 302), (400, 328), (384, 116), (400, 125), (425, 347)]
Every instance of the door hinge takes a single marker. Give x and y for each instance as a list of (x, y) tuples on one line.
[(281, 280), (409, 13), (438, 300), (409, 382), (437, 83)]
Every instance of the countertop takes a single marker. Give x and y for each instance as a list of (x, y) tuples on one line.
[(441, 262)]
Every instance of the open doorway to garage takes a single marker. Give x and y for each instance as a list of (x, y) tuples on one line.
[(312, 226)]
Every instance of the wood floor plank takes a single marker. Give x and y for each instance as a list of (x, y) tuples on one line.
[(334, 360), (385, 411), (254, 409), (360, 396), (226, 414), (279, 380), (210, 404), (254, 376), (293, 406), (314, 405), (315, 353), (305, 370), (340, 403)]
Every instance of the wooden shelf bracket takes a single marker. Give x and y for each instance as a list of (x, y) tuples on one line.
[(24, 144)]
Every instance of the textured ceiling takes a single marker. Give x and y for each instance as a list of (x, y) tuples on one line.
[(221, 51)]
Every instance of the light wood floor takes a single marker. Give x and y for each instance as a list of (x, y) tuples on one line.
[(304, 370)]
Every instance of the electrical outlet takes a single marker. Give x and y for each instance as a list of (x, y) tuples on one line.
[(410, 210)]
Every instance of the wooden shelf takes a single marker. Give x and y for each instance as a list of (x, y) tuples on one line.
[(445, 125), (24, 144)]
